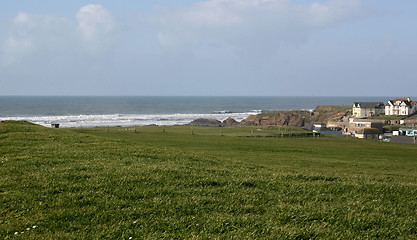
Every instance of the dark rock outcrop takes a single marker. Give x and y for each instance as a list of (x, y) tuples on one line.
[(230, 122), (202, 122), (279, 118)]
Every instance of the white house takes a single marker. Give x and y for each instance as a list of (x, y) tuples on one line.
[(400, 106), (367, 109)]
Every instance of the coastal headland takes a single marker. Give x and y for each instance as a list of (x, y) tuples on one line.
[(293, 118)]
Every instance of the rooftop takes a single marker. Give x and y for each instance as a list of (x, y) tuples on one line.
[(369, 104)]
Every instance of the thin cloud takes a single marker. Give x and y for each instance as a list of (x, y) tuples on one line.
[(29, 34), (97, 26), (93, 32), (247, 23)]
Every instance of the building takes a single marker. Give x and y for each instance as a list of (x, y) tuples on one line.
[(400, 106), (407, 132), (339, 125), (367, 109), (404, 135), (368, 133), (363, 128), (321, 128)]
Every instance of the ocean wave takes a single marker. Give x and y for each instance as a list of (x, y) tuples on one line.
[(222, 112), (259, 110), (69, 121)]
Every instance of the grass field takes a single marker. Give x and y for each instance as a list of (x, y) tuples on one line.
[(202, 183)]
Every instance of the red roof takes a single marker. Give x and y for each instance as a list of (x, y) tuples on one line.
[(407, 101), (402, 99)]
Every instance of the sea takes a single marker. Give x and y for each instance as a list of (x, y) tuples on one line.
[(96, 111)]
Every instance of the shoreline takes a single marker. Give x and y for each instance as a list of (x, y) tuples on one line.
[(139, 120), (125, 120)]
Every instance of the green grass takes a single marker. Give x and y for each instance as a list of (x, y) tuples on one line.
[(149, 184)]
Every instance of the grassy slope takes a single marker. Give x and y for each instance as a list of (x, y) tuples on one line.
[(90, 183)]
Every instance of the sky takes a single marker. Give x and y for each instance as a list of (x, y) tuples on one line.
[(208, 48)]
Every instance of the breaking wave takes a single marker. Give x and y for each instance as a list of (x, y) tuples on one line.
[(71, 121)]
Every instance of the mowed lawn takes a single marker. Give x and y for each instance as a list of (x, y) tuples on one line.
[(202, 183)]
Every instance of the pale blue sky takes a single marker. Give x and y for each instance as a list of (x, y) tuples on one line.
[(213, 47)]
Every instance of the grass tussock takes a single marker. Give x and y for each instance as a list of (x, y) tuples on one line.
[(148, 184)]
